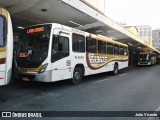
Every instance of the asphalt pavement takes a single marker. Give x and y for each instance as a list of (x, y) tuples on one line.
[(133, 89)]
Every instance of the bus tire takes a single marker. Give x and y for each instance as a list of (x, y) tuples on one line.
[(115, 70), (77, 76)]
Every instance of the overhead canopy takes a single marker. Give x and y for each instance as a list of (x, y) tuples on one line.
[(73, 13)]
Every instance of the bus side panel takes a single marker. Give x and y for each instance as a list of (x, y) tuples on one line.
[(61, 69), (9, 55), (108, 65), (122, 65), (79, 59), (2, 73), (6, 51), (124, 62)]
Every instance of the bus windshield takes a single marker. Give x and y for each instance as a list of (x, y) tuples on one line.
[(144, 57), (34, 43)]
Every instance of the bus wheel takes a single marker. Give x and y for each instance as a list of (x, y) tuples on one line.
[(115, 70), (77, 76)]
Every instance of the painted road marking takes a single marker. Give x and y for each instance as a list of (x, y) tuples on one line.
[(123, 74), (107, 79), (101, 81)]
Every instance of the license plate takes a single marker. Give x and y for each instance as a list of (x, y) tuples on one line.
[(25, 79)]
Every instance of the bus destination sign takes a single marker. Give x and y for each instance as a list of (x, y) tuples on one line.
[(35, 30)]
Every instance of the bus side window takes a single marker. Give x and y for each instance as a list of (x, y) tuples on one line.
[(3, 32), (60, 48), (101, 47), (121, 50), (91, 45), (116, 49), (109, 48), (125, 51), (78, 43)]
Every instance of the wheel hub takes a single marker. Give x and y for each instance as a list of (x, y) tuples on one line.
[(77, 75)]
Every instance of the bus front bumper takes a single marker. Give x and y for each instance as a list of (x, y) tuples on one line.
[(42, 77), (144, 63)]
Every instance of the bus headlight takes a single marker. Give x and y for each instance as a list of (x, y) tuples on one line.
[(43, 68)]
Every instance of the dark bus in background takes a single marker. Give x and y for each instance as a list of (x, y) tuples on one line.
[(146, 58)]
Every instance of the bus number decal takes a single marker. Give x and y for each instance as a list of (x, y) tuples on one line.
[(79, 57)]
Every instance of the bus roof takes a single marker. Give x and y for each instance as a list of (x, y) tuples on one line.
[(106, 39), (98, 37)]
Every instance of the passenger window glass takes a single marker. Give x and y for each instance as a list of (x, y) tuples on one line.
[(60, 47), (78, 44), (125, 51), (116, 49), (91, 45), (121, 50), (109, 48), (2, 32), (101, 47)]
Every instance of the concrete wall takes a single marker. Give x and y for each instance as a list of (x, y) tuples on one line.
[(156, 39), (145, 33), (98, 4), (132, 29), (147, 39)]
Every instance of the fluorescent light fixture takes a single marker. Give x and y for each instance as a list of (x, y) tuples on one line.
[(77, 23), (113, 38), (110, 31), (139, 47), (20, 27), (99, 31), (130, 44), (60, 1)]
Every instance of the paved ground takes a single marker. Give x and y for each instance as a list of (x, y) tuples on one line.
[(133, 89)]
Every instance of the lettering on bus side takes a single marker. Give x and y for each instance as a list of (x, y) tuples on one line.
[(98, 59)]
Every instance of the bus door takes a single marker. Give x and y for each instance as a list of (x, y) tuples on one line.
[(60, 56), (2, 48)]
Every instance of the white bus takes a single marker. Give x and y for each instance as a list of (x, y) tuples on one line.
[(53, 52), (6, 47)]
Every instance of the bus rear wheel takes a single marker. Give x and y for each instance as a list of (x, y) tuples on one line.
[(115, 70), (77, 76)]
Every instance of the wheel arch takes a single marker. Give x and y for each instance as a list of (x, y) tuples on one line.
[(116, 63)]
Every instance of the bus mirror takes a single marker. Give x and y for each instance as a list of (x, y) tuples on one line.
[(30, 52), (60, 32)]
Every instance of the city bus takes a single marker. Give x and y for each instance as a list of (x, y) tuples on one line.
[(158, 59), (146, 58), (6, 47), (53, 52)]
